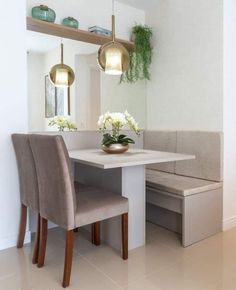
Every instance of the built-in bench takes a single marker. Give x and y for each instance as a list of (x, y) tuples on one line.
[(186, 196)]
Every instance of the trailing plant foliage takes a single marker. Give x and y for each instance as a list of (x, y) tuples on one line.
[(141, 57)]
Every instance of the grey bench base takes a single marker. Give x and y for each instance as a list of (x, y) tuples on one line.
[(196, 216)]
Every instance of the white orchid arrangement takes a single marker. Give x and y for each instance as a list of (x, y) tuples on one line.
[(117, 121), (62, 123)]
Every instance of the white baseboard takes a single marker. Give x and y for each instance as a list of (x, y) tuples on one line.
[(229, 223), (11, 240)]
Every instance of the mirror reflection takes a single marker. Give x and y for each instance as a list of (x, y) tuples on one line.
[(93, 92)]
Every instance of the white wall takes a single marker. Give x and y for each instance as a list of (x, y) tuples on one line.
[(36, 91), (186, 90), (229, 113), (13, 112), (121, 97)]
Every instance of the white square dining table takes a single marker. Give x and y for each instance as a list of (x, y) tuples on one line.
[(131, 183)]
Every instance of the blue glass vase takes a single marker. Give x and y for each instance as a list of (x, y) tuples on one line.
[(44, 13), (71, 22)]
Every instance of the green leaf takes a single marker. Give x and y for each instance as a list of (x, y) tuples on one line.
[(109, 139), (121, 136)]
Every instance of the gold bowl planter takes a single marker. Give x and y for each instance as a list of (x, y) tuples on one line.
[(115, 148)]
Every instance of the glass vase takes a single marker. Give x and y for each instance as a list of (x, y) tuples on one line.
[(71, 22), (44, 13)]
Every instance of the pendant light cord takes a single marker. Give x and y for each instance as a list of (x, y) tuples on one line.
[(62, 53), (113, 7), (113, 21)]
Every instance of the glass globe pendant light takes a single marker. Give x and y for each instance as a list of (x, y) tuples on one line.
[(113, 57), (61, 75)]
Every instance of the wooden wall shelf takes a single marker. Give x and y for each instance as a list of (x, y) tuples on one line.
[(71, 33)]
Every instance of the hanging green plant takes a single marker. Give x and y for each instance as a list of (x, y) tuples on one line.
[(141, 57)]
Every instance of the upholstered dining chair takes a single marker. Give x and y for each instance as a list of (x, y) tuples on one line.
[(74, 207), (29, 194)]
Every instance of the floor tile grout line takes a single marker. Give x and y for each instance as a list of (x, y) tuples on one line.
[(164, 268), (99, 270), (121, 287), (187, 256), (139, 279), (143, 276), (126, 285)]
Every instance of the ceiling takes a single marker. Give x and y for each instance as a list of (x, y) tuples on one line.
[(141, 4)]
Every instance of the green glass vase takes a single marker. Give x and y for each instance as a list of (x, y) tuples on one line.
[(71, 22), (44, 13)]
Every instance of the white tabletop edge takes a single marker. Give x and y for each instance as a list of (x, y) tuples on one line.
[(129, 163), (99, 165), (141, 163)]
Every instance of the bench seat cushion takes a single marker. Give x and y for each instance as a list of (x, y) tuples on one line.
[(177, 184)]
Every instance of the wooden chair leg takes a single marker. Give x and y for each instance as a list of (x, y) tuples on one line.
[(92, 233), (68, 258), (42, 241), (22, 228), (125, 236), (36, 243), (96, 234)]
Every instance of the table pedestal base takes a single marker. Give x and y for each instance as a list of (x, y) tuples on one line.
[(129, 182)]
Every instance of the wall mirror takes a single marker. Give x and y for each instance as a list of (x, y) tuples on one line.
[(92, 94)]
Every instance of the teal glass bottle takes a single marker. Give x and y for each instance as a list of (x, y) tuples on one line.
[(71, 22), (44, 13)]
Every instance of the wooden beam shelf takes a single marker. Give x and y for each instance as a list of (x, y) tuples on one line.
[(72, 33)]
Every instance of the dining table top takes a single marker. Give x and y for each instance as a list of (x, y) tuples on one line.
[(133, 157)]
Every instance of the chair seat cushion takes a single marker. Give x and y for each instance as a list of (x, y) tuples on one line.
[(96, 205), (177, 184)]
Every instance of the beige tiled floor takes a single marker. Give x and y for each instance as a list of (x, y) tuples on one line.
[(161, 264)]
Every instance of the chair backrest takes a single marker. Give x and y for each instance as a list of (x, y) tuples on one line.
[(55, 179), (29, 192)]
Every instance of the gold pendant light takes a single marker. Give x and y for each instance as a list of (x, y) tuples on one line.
[(61, 75), (113, 57)]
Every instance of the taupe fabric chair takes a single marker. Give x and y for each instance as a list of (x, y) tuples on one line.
[(29, 194), (69, 205)]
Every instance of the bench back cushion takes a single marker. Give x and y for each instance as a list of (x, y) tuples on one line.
[(206, 146), (208, 149), (161, 141)]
